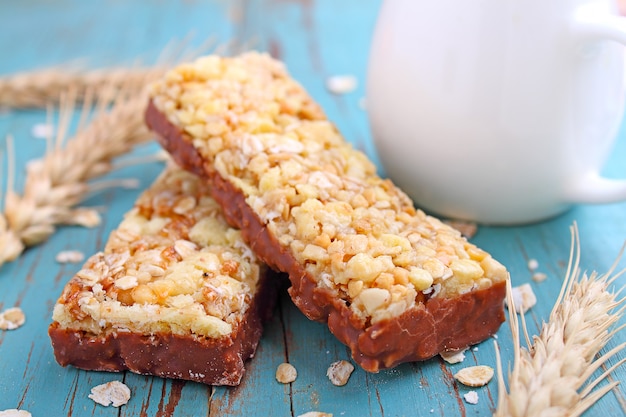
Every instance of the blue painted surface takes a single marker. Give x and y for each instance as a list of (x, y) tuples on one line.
[(316, 39)]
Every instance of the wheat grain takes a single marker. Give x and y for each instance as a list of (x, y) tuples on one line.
[(552, 377), (58, 182)]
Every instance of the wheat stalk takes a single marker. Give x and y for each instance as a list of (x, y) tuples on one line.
[(59, 181), (41, 87), (552, 377)]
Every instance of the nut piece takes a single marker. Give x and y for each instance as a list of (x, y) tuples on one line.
[(286, 373), (523, 298), (12, 318), (315, 414), (471, 397), (474, 376), (112, 393), (453, 356), (339, 372), (15, 413), (539, 276)]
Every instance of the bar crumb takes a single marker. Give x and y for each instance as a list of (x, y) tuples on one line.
[(453, 356), (471, 397)]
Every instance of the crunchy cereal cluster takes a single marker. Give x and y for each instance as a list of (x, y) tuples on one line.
[(172, 265), (355, 233)]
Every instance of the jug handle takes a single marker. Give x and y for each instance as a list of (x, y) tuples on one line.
[(596, 22)]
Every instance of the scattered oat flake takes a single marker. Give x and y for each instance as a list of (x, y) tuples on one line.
[(15, 413), (12, 318), (113, 393), (69, 256), (474, 376), (87, 217), (539, 276), (42, 130), (524, 298), (533, 264), (341, 84), (339, 372), (286, 373), (471, 397), (467, 229), (453, 356), (315, 414)]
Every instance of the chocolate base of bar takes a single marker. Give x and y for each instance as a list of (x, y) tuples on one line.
[(418, 334), (209, 361)]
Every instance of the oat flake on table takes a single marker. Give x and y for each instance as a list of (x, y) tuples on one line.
[(113, 393), (523, 298), (341, 84), (339, 372), (474, 376), (286, 373), (12, 318), (539, 276), (70, 256), (15, 413)]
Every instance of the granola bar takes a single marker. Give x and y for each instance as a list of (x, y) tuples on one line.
[(175, 293), (393, 283)]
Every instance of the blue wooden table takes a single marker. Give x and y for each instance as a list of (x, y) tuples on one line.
[(316, 39)]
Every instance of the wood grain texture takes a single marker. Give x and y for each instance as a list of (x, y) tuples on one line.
[(316, 39)]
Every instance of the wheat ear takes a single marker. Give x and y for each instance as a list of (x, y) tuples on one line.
[(552, 377), (40, 88), (37, 89), (58, 182)]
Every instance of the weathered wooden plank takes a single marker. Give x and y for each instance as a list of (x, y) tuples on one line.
[(259, 392), (316, 40)]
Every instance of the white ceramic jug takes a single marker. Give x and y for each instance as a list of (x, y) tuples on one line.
[(498, 111)]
